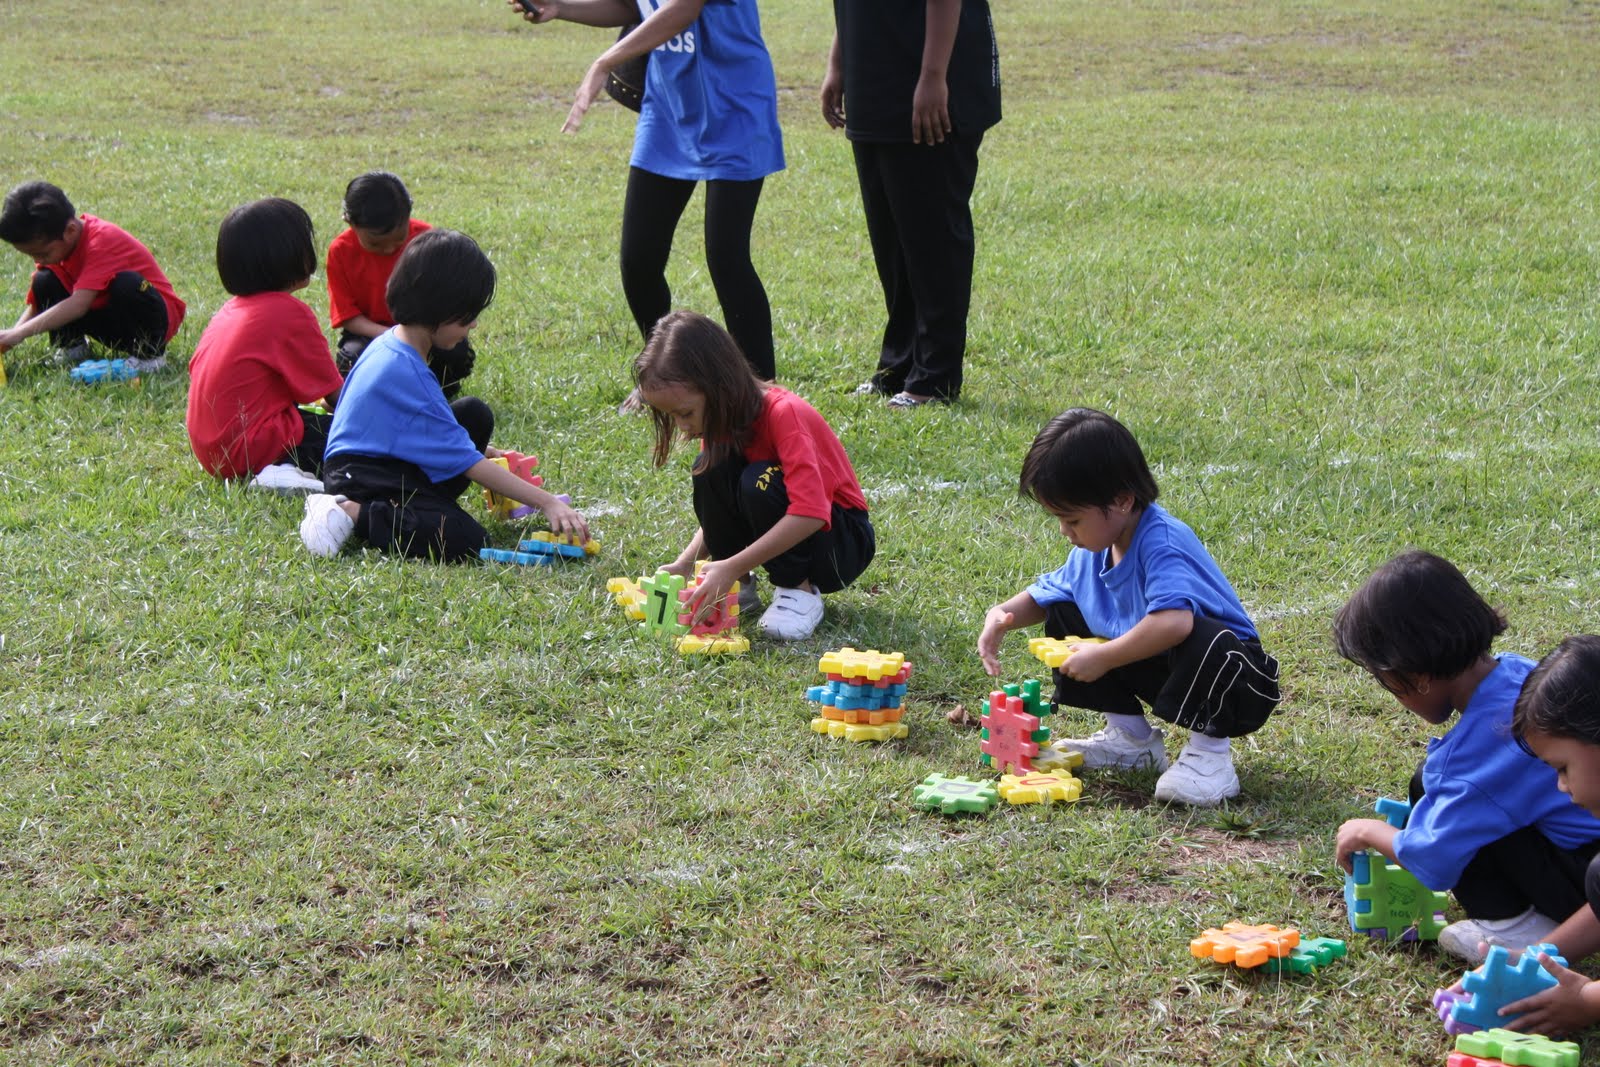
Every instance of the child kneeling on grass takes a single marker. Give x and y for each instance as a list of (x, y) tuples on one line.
[(399, 454), (262, 355), (1177, 637), (1488, 821), (773, 487)]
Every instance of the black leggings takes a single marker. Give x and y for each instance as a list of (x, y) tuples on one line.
[(133, 320), (650, 217)]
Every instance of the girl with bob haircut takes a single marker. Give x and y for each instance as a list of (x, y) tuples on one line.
[(262, 356), (1151, 616), (399, 453), (1488, 821), (772, 485)]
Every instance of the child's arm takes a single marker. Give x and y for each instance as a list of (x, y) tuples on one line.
[(1153, 634), (669, 20), (1014, 614), (930, 103), (585, 12), (718, 576), (71, 309), (833, 87), (563, 517), (1357, 834), (362, 326), (693, 551)]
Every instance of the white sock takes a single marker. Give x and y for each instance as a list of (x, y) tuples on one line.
[(1504, 924), (1202, 743), (1135, 726)]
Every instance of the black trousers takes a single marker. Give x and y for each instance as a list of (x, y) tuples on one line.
[(1525, 869), (737, 502), (917, 203), (449, 365), (650, 215), (133, 320), (1211, 682), (402, 510), (307, 455)]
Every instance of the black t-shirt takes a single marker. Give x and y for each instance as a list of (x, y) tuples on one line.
[(880, 44)]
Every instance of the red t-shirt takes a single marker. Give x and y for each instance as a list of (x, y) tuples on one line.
[(105, 250), (357, 279), (816, 471), (259, 357)]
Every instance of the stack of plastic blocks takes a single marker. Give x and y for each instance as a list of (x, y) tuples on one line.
[(661, 610), (1507, 1048), (91, 371), (1013, 728), (1384, 899), (1493, 985), (861, 700), (502, 507), (541, 550), (626, 591)]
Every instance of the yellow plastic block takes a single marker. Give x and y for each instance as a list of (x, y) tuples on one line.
[(855, 731), (1245, 946), (870, 664), (1053, 651), (1039, 788), (626, 592), (725, 643), (1056, 757), (590, 547)]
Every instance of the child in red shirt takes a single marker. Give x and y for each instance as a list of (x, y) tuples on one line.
[(94, 280), (262, 355), (377, 208)]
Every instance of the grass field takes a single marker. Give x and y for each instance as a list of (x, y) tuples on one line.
[(1334, 262)]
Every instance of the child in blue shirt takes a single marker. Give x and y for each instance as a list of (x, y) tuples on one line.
[(1175, 635), (399, 453), (1488, 821)]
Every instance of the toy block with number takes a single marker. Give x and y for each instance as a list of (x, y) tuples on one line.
[(1053, 651), (955, 795), (661, 602), (1244, 946), (1517, 1050), (1310, 954), (1040, 788), (1494, 984), (1385, 900)]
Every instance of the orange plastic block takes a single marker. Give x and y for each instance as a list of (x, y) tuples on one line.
[(851, 665), (1244, 946), (1053, 651), (1039, 788), (889, 731), (869, 716)]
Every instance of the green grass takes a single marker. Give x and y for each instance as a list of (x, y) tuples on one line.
[(1333, 262)]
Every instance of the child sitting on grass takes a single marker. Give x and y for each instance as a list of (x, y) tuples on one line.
[(1488, 821), (1177, 637), (399, 454), (262, 355), (93, 281), (773, 487), (377, 208)]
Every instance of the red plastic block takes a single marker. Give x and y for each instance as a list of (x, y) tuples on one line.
[(1008, 744)]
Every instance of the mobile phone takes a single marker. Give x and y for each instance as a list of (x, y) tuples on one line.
[(527, 5)]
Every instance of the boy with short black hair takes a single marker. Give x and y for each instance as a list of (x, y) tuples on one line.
[(377, 208), (93, 280)]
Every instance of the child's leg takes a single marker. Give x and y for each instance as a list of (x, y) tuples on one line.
[(897, 353), (307, 455), (351, 345), (1127, 740), (1217, 684), (47, 291), (730, 214), (650, 213), (133, 320)]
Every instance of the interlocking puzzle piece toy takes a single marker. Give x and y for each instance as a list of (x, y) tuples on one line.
[(569, 545), (1385, 900), (723, 614), (847, 697), (1499, 1046), (1039, 788), (521, 559), (501, 507), (91, 371), (1493, 985), (1007, 738), (626, 591), (1053, 651), (848, 664), (1055, 756), (1307, 956), (870, 716), (954, 795), (661, 602), (855, 731), (1244, 946), (723, 644)]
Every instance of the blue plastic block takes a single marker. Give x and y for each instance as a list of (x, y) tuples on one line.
[(1497, 983), (552, 548), (522, 559)]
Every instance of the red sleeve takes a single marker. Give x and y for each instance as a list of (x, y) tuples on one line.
[(802, 467), (307, 364), (342, 306)]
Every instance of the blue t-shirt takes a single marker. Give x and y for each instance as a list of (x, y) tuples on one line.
[(710, 101), (1166, 568), (393, 408), (1480, 786)]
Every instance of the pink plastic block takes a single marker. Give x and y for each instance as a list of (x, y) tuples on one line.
[(1008, 743)]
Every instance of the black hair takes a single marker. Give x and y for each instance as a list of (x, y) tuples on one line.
[(265, 246), (1085, 459), (690, 350), (1416, 617), (35, 211), (377, 200), (1561, 697), (442, 276)]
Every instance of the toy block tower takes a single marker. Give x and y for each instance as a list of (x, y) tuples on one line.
[(861, 700)]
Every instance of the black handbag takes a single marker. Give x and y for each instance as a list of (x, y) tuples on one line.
[(625, 84)]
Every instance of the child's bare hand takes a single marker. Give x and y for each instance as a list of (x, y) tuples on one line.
[(1353, 836), (716, 578), (1561, 1010), (930, 111), (996, 624), (11, 338), (543, 10), (565, 519), (833, 98), (588, 91), (1086, 663)]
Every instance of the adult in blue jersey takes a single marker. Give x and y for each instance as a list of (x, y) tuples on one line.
[(710, 114)]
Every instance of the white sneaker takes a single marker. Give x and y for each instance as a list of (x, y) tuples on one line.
[(1201, 779), (286, 478), (1112, 748), (150, 365), (1470, 939), (794, 614), (326, 527)]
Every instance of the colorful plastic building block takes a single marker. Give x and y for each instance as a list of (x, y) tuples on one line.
[(1385, 900), (626, 591), (522, 466), (861, 699), (567, 546), (723, 644), (1040, 788), (1517, 1050), (1307, 956), (851, 665), (1053, 651), (1493, 985), (103, 370), (522, 559), (1007, 739), (955, 795), (855, 731), (661, 603), (1244, 946), (1055, 756)]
